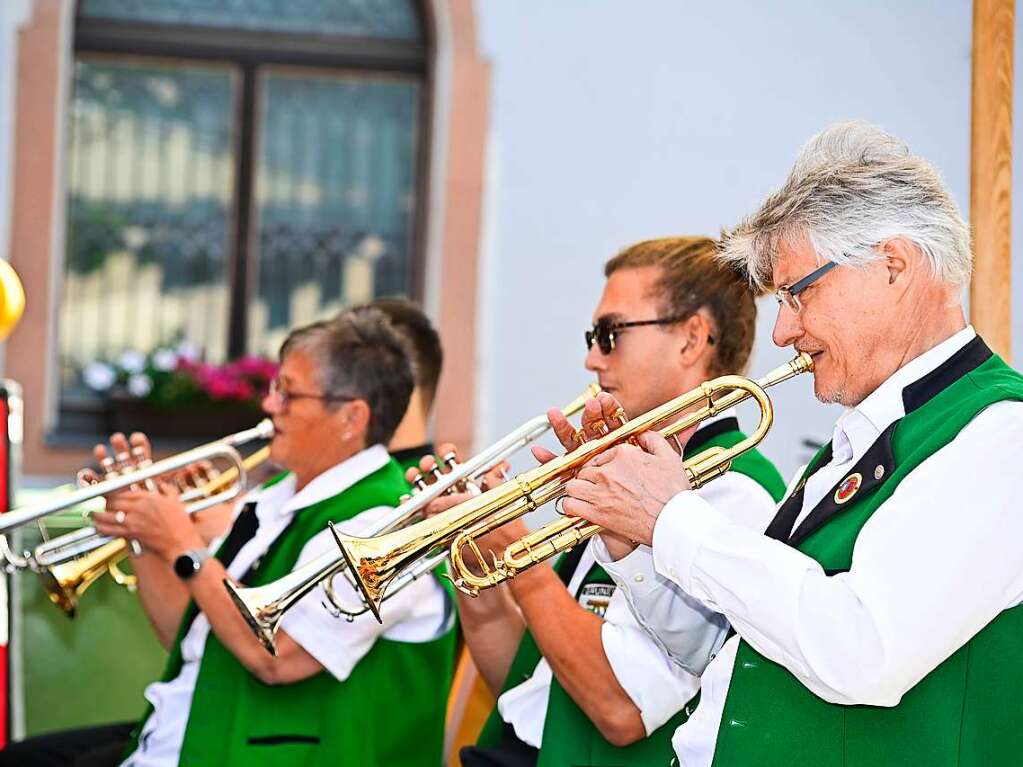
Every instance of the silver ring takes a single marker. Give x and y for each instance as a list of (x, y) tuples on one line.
[(119, 517)]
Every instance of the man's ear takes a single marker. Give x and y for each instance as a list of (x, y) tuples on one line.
[(696, 333), (902, 258)]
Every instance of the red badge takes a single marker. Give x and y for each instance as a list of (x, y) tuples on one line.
[(847, 489)]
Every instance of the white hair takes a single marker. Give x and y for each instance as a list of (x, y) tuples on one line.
[(853, 187)]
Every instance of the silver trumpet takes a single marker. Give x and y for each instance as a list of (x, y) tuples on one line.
[(263, 607), (229, 485)]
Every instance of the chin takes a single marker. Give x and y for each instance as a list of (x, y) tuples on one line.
[(825, 391), (278, 451)]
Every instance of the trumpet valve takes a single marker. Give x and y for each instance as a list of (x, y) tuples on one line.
[(419, 483), (619, 418), (108, 467)]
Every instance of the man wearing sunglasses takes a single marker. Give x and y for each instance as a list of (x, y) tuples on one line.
[(578, 680), (337, 692), (878, 620)]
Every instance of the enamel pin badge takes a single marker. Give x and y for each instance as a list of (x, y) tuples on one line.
[(848, 487)]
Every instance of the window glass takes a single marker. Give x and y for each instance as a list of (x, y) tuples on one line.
[(149, 210), (334, 197)]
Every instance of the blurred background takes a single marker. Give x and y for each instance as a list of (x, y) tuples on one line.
[(181, 181)]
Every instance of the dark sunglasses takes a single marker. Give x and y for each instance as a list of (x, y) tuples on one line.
[(604, 332)]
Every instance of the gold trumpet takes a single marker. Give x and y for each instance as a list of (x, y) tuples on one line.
[(376, 561), (263, 607), (68, 577), (70, 563)]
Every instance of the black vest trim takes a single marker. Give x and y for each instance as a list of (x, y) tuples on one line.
[(874, 468), (569, 563), (967, 359), (781, 526), (242, 531), (878, 463), (711, 431)]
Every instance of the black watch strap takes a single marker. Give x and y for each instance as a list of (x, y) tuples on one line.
[(189, 563)]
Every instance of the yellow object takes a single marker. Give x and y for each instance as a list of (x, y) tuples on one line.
[(469, 704), (12, 299)]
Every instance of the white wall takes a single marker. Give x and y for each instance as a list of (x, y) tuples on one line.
[(618, 121)]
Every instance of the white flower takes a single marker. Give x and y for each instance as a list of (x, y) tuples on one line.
[(132, 361), (165, 359), (190, 351), (140, 385), (99, 376)]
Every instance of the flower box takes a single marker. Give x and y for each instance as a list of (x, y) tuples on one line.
[(174, 394)]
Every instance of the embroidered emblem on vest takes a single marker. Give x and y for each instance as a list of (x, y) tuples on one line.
[(848, 488), (595, 597)]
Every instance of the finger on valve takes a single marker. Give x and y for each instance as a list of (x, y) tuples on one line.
[(593, 424), (611, 410), (141, 441), (567, 434), (495, 475)]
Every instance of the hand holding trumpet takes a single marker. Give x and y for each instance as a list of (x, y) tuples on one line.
[(495, 542), (606, 490), (151, 515)]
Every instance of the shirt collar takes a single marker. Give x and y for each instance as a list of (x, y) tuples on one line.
[(282, 500), (858, 427)]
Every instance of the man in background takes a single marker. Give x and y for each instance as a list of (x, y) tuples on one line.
[(410, 441)]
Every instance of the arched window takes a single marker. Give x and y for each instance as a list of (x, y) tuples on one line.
[(235, 168)]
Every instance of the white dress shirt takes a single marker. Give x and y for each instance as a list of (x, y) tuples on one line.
[(932, 566), (658, 687), (417, 614)]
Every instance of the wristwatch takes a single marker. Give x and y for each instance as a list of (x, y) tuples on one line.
[(189, 563)]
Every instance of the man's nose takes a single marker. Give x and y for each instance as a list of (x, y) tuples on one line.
[(787, 327)]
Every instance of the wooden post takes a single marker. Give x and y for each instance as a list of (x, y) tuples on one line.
[(991, 172)]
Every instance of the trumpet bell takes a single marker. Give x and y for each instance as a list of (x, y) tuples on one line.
[(373, 565), (260, 609), (65, 583)]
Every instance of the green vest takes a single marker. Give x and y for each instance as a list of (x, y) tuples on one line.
[(965, 712), (390, 710), (569, 737), (408, 457)]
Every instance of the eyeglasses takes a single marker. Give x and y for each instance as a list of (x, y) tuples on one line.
[(286, 397), (789, 294), (604, 332)]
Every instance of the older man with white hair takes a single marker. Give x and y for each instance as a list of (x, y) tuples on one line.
[(878, 620)]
